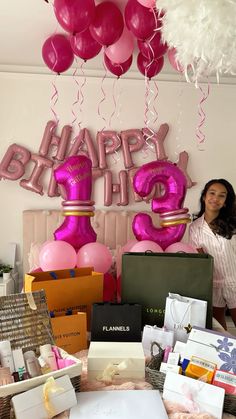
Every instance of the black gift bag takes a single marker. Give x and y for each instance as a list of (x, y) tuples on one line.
[(113, 322), (147, 278)]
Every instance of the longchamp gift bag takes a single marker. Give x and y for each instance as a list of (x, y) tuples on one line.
[(147, 279)]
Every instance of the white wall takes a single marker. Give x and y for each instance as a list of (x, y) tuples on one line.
[(25, 110)]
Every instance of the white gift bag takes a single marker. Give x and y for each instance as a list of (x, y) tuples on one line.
[(182, 313), (156, 334)]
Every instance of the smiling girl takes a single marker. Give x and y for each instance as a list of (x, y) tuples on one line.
[(214, 231)]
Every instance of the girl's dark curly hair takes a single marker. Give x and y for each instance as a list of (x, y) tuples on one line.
[(225, 223)]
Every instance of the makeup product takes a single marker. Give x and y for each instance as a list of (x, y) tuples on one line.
[(19, 361), (5, 376), (167, 350), (200, 368), (44, 366), (6, 358), (173, 358)]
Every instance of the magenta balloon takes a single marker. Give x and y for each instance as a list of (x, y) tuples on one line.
[(140, 20), (108, 24), (174, 182), (118, 69), (121, 50), (74, 15), (57, 53), (171, 53), (144, 245), (152, 48), (75, 175), (180, 247), (57, 255), (149, 68), (96, 255), (84, 45)]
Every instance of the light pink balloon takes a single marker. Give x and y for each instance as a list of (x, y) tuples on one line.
[(145, 245), (128, 246), (33, 183), (108, 142), (147, 3), (13, 163), (128, 146), (180, 247), (57, 255), (96, 255), (122, 49), (171, 53)]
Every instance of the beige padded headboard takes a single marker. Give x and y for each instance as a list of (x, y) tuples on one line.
[(113, 228)]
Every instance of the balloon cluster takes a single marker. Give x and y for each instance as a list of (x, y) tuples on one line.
[(93, 27)]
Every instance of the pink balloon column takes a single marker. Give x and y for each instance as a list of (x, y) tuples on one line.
[(75, 174), (169, 205)]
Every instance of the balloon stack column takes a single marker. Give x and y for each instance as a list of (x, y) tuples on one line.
[(75, 175)]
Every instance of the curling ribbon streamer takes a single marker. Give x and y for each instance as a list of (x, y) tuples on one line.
[(75, 103), (102, 99), (50, 387), (81, 92), (179, 119), (115, 157), (154, 101), (200, 135), (54, 99)]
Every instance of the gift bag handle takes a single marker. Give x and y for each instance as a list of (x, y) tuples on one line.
[(160, 350)]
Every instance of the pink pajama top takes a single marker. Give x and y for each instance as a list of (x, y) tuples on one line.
[(222, 250)]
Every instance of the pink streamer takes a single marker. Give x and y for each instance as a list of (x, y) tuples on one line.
[(114, 101), (54, 100), (75, 103), (154, 101), (81, 91), (102, 99), (202, 115)]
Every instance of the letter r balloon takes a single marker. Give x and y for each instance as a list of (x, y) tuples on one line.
[(174, 182)]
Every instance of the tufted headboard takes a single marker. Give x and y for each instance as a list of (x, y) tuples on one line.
[(113, 228)]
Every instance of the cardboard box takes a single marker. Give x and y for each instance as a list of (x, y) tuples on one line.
[(34, 403), (70, 332), (212, 346), (76, 288), (194, 395), (104, 354)]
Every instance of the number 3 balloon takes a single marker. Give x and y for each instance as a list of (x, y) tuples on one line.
[(169, 205)]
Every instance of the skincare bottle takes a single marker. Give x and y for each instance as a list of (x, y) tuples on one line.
[(32, 364), (49, 356), (6, 355), (44, 366)]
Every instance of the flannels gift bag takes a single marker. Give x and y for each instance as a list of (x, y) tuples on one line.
[(182, 313)]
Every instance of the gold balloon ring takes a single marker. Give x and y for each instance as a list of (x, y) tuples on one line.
[(173, 223), (79, 213)]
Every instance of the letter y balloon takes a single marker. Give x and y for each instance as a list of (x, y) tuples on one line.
[(75, 175)]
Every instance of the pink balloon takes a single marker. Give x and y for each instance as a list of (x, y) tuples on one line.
[(57, 255), (149, 68), (108, 142), (118, 69), (74, 15), (84, 45), (145, 245), (153, 48), (129, 145), (140, 20), (147, 3), (171, 53), (180, 247), (13, 163), (108, 24), (174, 182), (128, 246), (96, 255), (57, 53), (75, 174), (33, 183), (122, 49)]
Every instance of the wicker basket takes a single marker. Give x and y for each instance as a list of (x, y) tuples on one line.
[(157, 379), (25, 321)]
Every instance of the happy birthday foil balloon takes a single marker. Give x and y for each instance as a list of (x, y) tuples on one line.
[(75, 175)]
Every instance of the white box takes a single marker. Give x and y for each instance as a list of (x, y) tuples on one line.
[(212, 346), (194, 395), (125, 404), (101, 354), (31, 404)]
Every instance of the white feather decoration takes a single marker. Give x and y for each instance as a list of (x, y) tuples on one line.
[(203, 33)]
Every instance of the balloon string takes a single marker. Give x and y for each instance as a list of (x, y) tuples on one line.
[(154, 102), (179, 119), (81, 93), (200, 135), (54, 99), (114, 101), (102, 99), (75, 103)]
